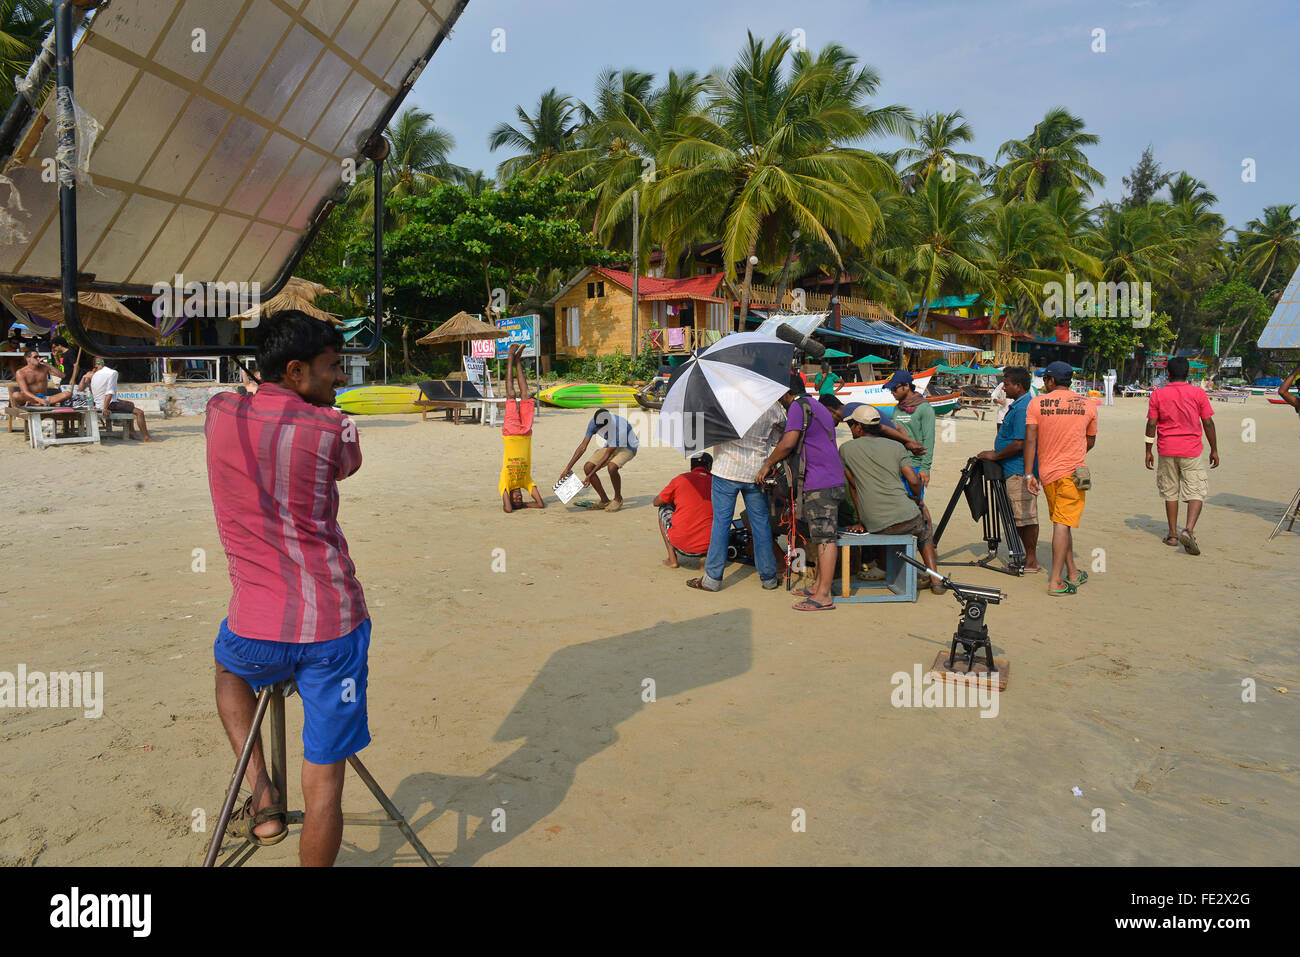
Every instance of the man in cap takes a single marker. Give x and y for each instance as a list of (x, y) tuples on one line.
[(1060, 429), (873, 465), (915, 416), (686, 511)]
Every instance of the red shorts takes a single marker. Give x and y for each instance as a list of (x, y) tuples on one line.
[(519, 417)]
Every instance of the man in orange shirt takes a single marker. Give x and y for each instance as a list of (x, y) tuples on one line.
[(1060, 429)]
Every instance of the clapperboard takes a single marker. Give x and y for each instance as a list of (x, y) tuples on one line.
[(566, 489)]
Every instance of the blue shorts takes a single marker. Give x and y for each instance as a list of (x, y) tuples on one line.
[(331, 677), (908, 489)]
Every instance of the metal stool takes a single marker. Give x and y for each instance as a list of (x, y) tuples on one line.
[(273, 696)]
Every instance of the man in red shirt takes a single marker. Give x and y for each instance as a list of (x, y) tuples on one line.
[(686, 511), (297, 610), (1176, 414)]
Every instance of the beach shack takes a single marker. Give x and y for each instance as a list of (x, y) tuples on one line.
[(593, 312)]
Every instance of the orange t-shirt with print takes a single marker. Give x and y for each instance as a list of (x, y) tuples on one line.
[(1064, 419)]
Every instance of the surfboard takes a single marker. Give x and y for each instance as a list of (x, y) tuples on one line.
[(588, 395), (378, 400)]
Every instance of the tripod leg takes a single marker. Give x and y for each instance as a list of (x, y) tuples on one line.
[(952, 652), (1292, 512), (391, 810), (952, 504), (240, 768), (1008, 532)]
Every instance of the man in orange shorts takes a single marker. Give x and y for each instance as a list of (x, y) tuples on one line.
[(517, 437), (1060, 429)]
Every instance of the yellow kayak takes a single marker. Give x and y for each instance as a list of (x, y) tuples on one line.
[(379, 400)]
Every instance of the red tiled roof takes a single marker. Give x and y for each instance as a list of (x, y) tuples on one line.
[(652, 287)]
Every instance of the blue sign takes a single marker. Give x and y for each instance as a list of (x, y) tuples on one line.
[(523, 330)]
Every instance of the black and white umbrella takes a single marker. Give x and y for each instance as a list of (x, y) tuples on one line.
[(719, 393)]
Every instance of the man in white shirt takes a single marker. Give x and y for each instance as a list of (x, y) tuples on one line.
[(736, 465), (103, 394)]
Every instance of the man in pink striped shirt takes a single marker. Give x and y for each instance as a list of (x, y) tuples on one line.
[(297, 610)]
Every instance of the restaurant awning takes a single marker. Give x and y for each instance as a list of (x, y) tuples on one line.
[(882, 333)]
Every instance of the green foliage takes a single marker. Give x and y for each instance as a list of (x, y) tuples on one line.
[(618, 369), (1113, 339)]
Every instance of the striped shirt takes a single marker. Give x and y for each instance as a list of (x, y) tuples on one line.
[(740, 460), (274, 462)]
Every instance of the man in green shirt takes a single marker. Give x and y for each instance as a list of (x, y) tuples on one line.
[(873, 465), (827, 381), (915, 416)]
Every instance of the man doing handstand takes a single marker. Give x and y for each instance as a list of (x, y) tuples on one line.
[(517, 437)]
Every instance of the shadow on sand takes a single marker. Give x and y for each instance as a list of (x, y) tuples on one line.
[(569, 713)]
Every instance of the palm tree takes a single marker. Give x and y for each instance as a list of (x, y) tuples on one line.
[(24, 25), (541, 138), (1187, 189), (1021, 241), (935, 136), (1133, 245), (417, 162), (1264, 243), (1051, 156), (942, 238), (767, 158)]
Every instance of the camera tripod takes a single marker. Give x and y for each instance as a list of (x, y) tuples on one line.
[(272, 697), (972, 632), (985, 490)]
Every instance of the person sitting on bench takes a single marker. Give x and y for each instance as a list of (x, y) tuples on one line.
[(872, 465), (517, 437), (103, 395), (33, 383)]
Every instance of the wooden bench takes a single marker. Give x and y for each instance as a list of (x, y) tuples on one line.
[(147, 406), (453, 409)]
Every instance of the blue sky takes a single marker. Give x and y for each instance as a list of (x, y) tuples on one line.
[(1207, 82)]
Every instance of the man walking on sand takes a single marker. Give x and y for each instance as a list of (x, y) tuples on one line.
[(297, 611), (1060, 429), (1176, 415)]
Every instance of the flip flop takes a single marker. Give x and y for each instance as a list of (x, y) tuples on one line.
[(698, 585), (1188, 541), (1062, 592), (1083, 577), (809, 605), (801, 592), (587, 503)]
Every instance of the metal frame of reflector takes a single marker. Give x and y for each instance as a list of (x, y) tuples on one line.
[(375, 148), (1283, 328)]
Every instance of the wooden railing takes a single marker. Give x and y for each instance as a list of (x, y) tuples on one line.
[(692, 339), (769, 296)]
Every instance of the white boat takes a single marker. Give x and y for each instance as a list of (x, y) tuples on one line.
[(875, 393)]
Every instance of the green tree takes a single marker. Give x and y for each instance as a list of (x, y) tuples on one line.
[(24, 25), (1231, 299), (1051, 156), (541, 138), (768, 157), (1144, 181), (934, 139), (1265, 244), (417, 162)]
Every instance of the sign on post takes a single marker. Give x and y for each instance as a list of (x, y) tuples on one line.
[(523, 331), (483, 348)]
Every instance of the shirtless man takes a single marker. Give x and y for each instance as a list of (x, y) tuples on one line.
[(33, 384), (517, 437)]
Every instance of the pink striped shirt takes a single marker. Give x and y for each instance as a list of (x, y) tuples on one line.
[(274, 462)]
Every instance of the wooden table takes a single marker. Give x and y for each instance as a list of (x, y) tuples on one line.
[(87, 421)]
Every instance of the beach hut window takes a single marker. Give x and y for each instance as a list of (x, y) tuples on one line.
[(595, 290), (571, 326)]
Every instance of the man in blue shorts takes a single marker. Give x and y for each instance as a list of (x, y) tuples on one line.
[(297, 611)]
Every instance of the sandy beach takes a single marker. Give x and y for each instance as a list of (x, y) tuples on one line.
[(522, 690)]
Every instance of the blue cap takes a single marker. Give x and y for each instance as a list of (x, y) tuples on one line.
[(1060, 371), (899, 378)]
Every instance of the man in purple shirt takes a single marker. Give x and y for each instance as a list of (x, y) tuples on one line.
[(810, 430)]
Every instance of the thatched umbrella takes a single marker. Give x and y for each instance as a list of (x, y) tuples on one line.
[(461, 327), (97, 311), (296, 294)]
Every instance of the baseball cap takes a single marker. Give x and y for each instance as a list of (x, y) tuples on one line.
[(1060, 371), (864, 414), (900, 377), (702, 461)]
